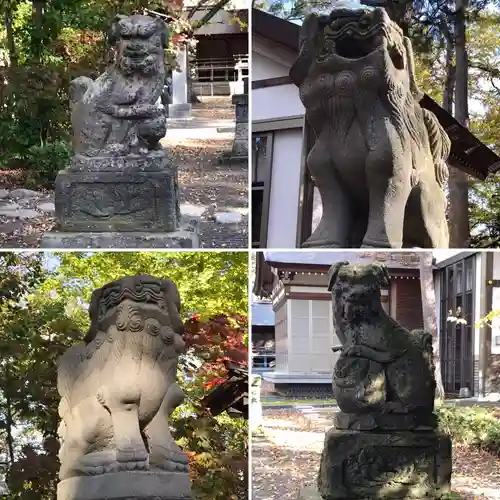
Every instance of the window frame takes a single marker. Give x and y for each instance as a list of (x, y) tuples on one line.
[(266, 188), (306, 193)]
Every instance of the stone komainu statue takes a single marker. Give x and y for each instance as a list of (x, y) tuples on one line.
[(379, 158), (118, 388), (384, 377), (385, 442), (120, 113)]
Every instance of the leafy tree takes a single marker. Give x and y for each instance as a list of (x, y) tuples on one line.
[(43, 301), (43, 46)]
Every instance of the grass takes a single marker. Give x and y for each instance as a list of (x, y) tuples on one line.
[(293, 402)]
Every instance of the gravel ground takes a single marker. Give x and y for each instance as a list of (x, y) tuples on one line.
[(203, 181), (287, 458)]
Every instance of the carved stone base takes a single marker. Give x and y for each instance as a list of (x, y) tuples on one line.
[(118, 200), (396, 465), (186, 237), (127, 486), (179, 110)]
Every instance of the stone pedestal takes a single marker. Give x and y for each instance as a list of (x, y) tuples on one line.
[(180, 107), (396, 465), (120, 202), (127, 485), (239, 152)]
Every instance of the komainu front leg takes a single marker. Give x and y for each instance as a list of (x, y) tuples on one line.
[(388, 197), (131, 452), (89, 428), (165, 453)]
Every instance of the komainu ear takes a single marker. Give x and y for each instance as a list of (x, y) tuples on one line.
[(114, 29), (94, 315), (333, 273), (410, 64), (383, 275), (310, 29)]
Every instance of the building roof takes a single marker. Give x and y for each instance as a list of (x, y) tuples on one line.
[(468, 153), (394, 260), (262, 314), (231, 395), (399, 263)]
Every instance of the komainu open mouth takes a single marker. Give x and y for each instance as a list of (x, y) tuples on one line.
[(353, 34)]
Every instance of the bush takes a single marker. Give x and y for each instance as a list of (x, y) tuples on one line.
[(42, 163), (471, 426)]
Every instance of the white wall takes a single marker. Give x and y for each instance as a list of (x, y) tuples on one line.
[(281, 338), (312, 338), (285, 189), (277, 102), (271, 61), (263, 67)]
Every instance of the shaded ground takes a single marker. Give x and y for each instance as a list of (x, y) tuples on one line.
[(287, 457), (205, 185)]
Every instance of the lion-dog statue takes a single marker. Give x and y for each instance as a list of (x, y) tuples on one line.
[(378, 158), (118, 387), (384, 376), (120, 113)]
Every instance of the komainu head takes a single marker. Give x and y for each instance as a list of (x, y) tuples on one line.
[(135, 304), (139, 42), (350, 36), (357, 286)]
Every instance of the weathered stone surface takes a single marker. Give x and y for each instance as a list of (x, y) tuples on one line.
[(186, 237), (180, 107), (118, 389), (23, 193), (384, 444), (178, 111), (398, 465), (126, 486), (228, 217), (120, 180), (129, 199), (379, 158), (11, 209), (4, 193), (120, 113), (384, 377), (48, 206), (190, 210)]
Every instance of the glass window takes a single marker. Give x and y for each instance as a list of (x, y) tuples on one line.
[(469, 273), (459, 277), (457, 337), (259, 158)]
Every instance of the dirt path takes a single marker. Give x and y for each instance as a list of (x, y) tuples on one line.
[(287, 458)]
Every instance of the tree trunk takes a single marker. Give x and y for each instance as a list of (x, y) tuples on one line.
[(449, 84), (11, 44), (9, 419), (9, 425), (429, 312), (37, 32), (459, 181)]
